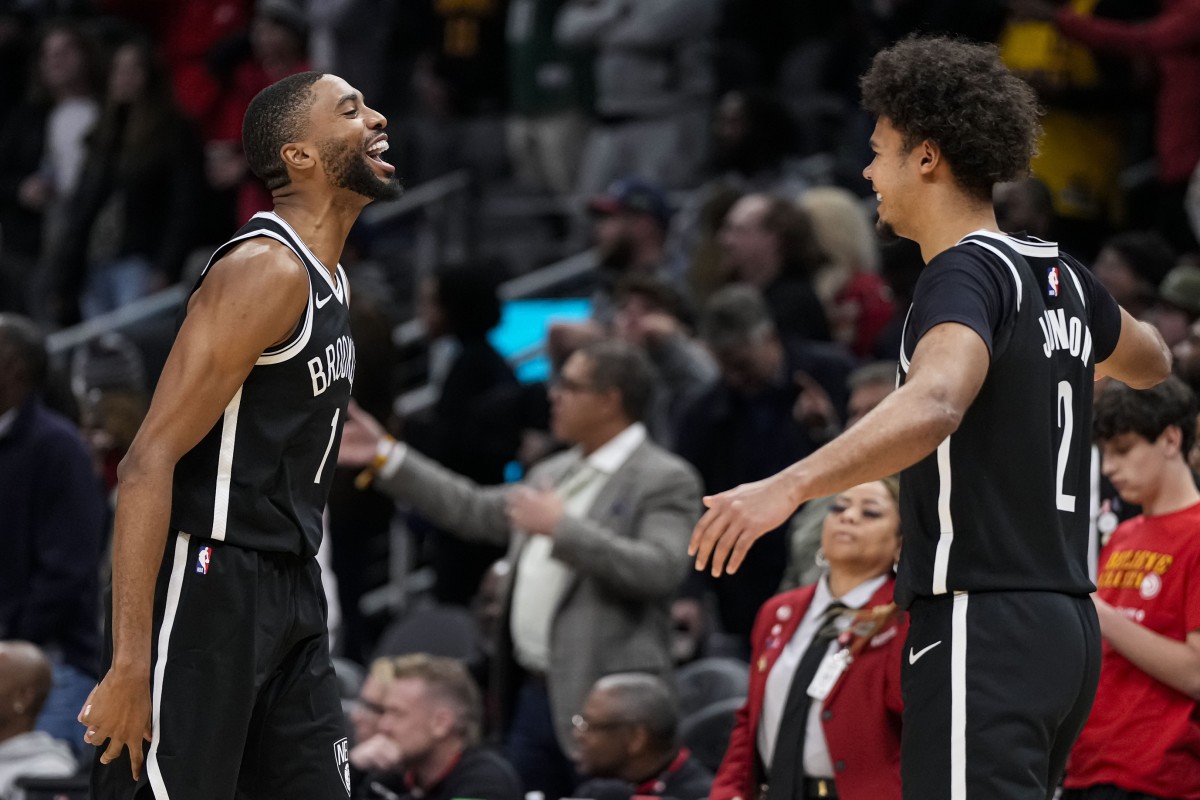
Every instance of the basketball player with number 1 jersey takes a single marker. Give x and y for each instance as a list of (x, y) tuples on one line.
[(219, 681)]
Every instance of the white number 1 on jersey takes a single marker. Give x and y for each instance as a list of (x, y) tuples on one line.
[(333, 433)]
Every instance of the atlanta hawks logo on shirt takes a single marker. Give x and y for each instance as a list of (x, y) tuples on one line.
[(1052, 281)]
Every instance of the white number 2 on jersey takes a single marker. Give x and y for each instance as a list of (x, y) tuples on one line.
[(1065, 502)]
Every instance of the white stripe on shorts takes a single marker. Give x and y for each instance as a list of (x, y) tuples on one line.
[(174, 586), (958, 698)]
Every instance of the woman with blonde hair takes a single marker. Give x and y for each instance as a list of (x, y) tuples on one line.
[(857, 301)]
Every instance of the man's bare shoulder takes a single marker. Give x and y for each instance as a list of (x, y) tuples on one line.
[(260, 259), (260, 277)]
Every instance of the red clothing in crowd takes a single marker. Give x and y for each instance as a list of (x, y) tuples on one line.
[(868, 300), (1142, 735), (186, 30), (1172, 39), (861, 713), (249, 79)]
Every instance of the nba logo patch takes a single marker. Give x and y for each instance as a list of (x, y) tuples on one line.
[(202, 560), (1052, 281)]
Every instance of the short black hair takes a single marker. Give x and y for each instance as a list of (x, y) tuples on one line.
[(21, 337), (277, 115), (657, 293), (961, 96), (1146, 412), (624, 367)]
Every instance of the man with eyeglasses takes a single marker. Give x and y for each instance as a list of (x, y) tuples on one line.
[(627, 743), (597, 538)]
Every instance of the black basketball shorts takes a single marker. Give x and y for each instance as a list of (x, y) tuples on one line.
[(997, 687), (245, 700)]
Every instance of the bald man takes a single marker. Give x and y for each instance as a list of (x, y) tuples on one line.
[(25, 678), (626, 741)]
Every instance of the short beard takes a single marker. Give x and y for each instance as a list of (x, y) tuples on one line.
[(885, 230), (347, 168)]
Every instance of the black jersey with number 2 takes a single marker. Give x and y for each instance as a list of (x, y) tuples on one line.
[(260, 478), (1002, 504)]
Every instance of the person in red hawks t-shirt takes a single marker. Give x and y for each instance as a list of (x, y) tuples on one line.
[(1142, 739)]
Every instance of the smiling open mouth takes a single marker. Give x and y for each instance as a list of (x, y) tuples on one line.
[(375, 153)]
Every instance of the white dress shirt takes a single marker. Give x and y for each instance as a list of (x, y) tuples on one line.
[(541, 578), (817, 763)]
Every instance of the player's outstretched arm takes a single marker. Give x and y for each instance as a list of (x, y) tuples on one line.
[(1141, 358), (948, 368), (250, 300)]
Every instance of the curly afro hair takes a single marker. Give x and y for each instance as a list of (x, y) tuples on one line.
[(962, 97)]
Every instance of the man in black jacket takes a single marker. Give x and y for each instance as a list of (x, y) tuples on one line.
[(54, 524)]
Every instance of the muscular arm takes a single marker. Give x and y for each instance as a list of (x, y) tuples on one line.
[(1175, 663), (947, 370), (250, 300), (1141, 358)]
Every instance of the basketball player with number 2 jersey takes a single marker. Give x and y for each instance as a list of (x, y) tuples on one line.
[(990, 429)]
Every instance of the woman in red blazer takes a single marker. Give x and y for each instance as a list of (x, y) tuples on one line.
[(859, 716)]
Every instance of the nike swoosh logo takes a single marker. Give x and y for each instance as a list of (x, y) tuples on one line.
[(914, 657), (321, 301)]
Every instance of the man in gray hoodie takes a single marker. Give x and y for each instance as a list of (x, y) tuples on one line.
[(24, 684), (654, 81)]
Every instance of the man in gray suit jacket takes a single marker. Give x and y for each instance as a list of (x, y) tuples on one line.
[(597, 538)]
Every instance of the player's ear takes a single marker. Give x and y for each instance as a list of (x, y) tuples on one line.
[(298, 156), (929, 155)]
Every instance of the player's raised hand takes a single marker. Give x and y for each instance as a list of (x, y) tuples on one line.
[(118, 712), (735, 519)]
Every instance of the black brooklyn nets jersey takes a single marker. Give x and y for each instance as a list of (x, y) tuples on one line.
[(1003, 504), (261, 476)]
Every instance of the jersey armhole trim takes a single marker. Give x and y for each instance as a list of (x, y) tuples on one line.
[(297, 341), (1016, 276), (1075, 280), (303, 332)]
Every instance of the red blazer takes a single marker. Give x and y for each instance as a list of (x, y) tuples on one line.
[(862, 711)]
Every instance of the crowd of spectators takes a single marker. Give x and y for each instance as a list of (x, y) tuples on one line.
[(742, 312)]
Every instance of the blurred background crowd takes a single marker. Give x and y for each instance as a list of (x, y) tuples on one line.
[(680, 176)]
